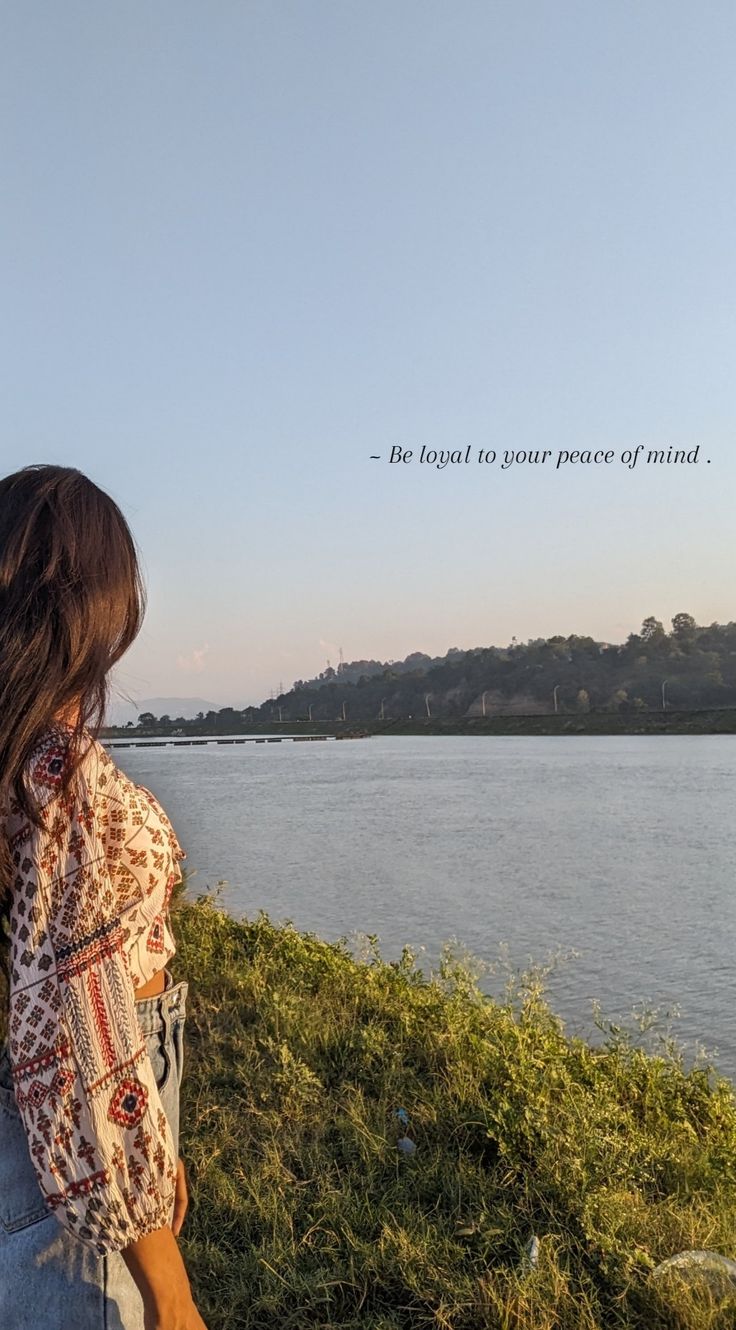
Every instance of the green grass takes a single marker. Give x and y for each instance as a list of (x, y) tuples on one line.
[(303, 1211)]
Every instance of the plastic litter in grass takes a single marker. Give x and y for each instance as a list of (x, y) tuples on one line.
[(405, 1144), (704, 1267), (530, 1258)]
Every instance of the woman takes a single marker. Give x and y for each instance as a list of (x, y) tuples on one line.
[(92, 1193)]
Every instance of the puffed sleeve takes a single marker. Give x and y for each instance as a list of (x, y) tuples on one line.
[(142, 853), (98, 1136)]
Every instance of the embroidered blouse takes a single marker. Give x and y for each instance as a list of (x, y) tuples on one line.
[(89, 925)]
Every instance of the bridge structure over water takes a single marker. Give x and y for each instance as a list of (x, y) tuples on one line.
[(242, 739)]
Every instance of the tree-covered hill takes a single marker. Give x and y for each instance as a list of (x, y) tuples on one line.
[(688, 667)]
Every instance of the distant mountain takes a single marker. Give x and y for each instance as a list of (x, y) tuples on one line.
[(120, 712)]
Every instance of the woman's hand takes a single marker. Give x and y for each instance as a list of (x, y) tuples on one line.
[(181, 1200)]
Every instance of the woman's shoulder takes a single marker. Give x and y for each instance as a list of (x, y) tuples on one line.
[(55, 749), (123, 807), (96, 780), (47, 762)]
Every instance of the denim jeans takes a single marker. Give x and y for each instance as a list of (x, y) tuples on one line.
[(49, 1280)]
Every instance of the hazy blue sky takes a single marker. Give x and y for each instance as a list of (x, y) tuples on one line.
[(247, 245)]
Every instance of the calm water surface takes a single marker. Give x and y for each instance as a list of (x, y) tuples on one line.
[(621, 848)]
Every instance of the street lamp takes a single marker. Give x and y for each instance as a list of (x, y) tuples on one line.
[(554, 694), (426, 702), (309, 709), (664, 694), (483, 703)]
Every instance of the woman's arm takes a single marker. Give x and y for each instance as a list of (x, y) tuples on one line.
[(157, 1267)]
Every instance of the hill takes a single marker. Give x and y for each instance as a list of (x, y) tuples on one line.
[(687, 668)]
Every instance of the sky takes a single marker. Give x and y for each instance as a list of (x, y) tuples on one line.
[(245, 247)]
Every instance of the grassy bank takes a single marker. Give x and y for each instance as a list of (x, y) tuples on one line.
[(304, 1211)]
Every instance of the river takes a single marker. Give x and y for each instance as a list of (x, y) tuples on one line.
[(620, 849)]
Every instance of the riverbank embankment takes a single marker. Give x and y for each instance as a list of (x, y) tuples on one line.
[(720, 721)]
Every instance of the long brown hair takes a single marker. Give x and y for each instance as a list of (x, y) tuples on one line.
[(72, 600)]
